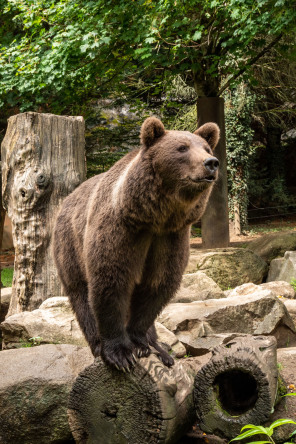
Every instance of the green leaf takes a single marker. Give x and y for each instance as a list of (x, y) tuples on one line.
[(259, 442), (197, 35), (255, 427), (280, 422), (247, 434)]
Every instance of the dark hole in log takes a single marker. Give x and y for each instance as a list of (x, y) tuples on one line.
[(236, 391)]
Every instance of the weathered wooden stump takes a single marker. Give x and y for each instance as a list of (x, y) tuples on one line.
[(152, 404), (42, 162), (238, 386)]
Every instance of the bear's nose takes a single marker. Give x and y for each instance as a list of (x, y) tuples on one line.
[(211, 164)]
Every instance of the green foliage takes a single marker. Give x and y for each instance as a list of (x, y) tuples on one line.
[(32, 342), (55, 53), (293, 283), (6, 277), (252, 430), (239, 134)]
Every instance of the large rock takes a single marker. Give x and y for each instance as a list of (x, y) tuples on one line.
[(197, 324), (197, 287), (53, 322), (34, 387), (280, 288), (287, 407), (228, 267), (277, 288), (273, 245), (283, 269), (290, 305), (170, 341)]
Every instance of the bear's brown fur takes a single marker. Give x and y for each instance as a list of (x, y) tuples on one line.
[(121, 241)]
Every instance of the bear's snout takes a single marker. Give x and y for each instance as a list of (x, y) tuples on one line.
[(211, 164)]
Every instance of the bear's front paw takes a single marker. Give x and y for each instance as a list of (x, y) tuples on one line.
[(118, 353), (141, 344)]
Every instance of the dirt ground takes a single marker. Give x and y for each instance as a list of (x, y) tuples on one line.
[(255, 231)]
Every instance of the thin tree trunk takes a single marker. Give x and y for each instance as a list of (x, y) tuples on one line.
[(42, 162), (215, 223)]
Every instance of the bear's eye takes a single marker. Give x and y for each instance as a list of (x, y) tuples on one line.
[(183, 148)]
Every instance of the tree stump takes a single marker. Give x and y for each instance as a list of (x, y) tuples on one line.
[(238, 386), (152, 404), (43, 161)]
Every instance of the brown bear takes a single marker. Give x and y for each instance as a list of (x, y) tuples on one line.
[(121, 240)]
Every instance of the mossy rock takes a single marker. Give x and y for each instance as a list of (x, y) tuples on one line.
[(274, 245), (229, 267)]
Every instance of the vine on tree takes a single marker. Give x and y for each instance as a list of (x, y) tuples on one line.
[(239, 105)]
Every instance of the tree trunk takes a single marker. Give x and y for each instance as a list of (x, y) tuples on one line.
[(42, 162), (2, 214), (215, 223), (238, 386), (235, 224), (152, 404)]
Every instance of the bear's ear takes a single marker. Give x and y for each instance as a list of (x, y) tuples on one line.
[(151, 130), (210, 132)]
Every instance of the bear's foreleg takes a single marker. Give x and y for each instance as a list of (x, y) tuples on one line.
[(111, 280), (164, 266), (78, 297)]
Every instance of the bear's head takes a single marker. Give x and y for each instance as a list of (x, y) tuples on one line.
[(183, 160)]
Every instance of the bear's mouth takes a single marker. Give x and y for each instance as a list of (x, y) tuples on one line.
[(208, 179)]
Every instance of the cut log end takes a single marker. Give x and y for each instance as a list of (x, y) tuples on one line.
[(152, 404), (237, 386)]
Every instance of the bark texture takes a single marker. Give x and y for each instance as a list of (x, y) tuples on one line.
[(42, 162), (2, 214), (238, 386), (152, 404), (215, 223)]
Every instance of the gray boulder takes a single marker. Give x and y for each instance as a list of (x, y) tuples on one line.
[(228, 267), (34, 387), (286, 358), (283, 269), (170, 341), (280, 288), (290, 305), (273, 245), (276, 288), (54, 322), (197, 287), (197, 324)]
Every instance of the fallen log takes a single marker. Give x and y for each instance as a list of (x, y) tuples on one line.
[(43, 161), (154, 404)]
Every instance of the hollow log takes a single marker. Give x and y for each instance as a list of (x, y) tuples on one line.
[(42, 162), (152, 404), (238, 386)]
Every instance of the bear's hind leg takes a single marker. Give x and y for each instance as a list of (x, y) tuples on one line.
[(162, 353)]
